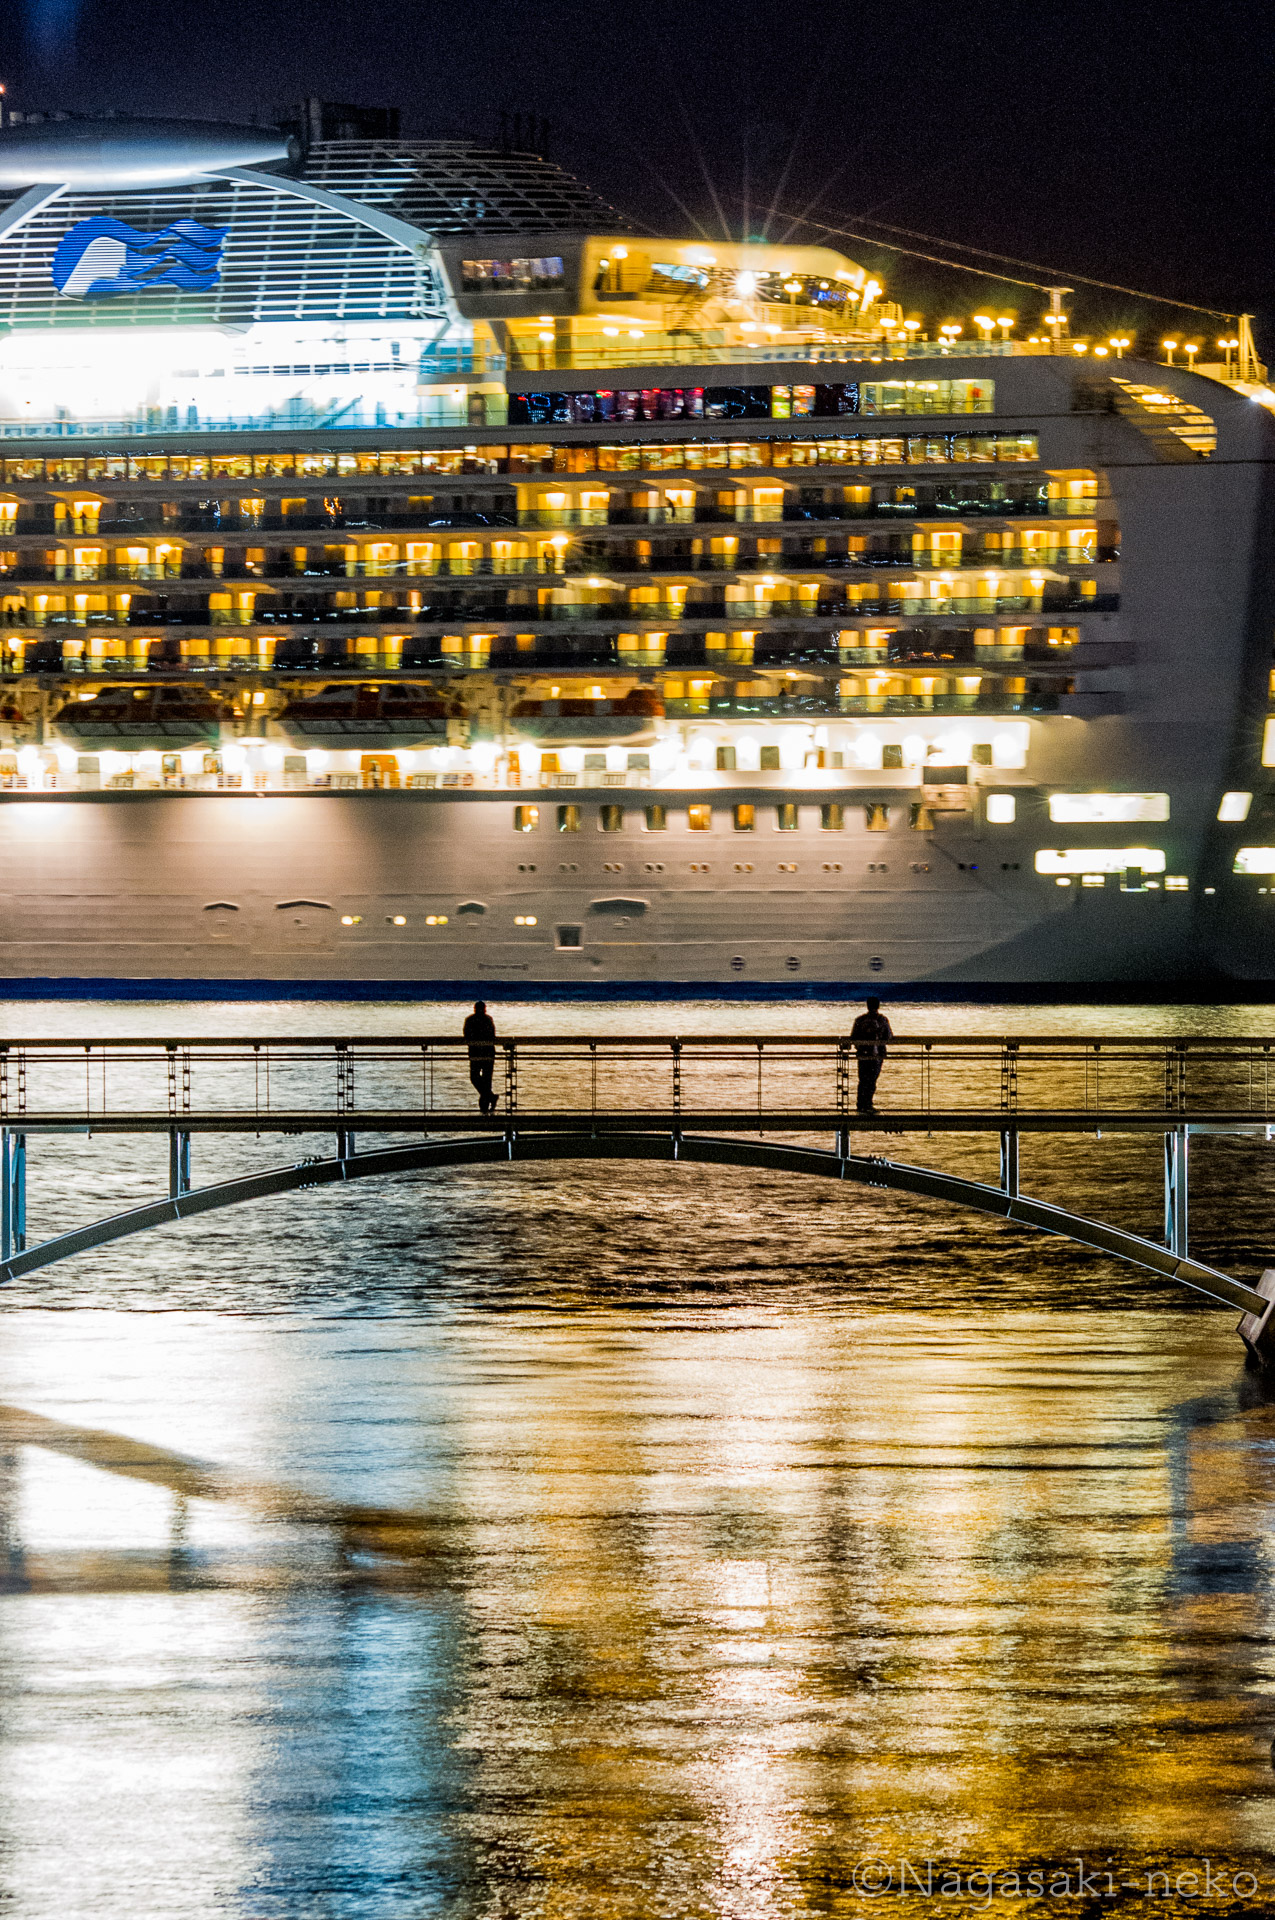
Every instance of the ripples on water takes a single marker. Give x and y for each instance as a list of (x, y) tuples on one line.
[(606, 1540)]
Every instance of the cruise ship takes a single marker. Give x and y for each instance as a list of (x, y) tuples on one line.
[(416, 579)]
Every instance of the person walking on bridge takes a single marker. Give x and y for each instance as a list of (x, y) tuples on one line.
[(479, 1032), (868, 1036)]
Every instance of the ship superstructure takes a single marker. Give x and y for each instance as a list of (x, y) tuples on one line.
[(409, 574)]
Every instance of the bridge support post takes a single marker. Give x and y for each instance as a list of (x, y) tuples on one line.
[(1009, 1161), (1176, 1191), (1255, 1329), (344, 1145), (13, 1193), (178, 1163)]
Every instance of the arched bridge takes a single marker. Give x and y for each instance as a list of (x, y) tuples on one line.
[(710, 1102)]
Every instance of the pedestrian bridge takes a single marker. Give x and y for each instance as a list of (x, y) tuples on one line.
[(403, 1104)]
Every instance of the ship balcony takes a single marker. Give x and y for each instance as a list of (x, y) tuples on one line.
[(200, 654), (234, 569)]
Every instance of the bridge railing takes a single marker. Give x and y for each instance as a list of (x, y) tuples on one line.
[(422, 1081)]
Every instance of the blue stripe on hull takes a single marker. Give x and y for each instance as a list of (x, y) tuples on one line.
[(1206, 990)]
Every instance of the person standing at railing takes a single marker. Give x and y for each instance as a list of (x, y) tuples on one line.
[(868, 1037), (479, 1033)]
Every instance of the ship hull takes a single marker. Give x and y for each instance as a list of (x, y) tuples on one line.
[(402, 894)]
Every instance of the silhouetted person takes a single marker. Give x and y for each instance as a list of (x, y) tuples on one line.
[(479, 1031), (868, 1037)]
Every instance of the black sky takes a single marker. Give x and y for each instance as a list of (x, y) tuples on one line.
[(1131, 142)]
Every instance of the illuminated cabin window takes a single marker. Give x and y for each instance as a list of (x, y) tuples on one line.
[(1234, 806), (832, 816), (1066, 860), (786, 816), (611, 819), (569, 819), (1001, 808), (656, 819), (1094, 809), (699, 818), (526, 819), (543, 275), (1254, 860), (876, 819), (745, 817)]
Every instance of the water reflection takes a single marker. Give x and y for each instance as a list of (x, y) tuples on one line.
[(598, 1544), (708, 1603)]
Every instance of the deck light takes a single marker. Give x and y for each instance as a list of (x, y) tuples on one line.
[(1170, 347), (619, 253), (1192, 347), (1119, 342), (1005, 321), (1101, 352)]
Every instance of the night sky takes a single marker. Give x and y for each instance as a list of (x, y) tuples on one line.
[(1131, 142)]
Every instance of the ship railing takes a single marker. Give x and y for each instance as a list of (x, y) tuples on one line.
[(801, 349)]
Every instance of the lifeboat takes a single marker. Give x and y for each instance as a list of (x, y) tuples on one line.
[(602, 720), (134, 719), (366, 716)]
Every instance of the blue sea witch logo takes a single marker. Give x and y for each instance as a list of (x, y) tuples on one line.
[(102, 258)]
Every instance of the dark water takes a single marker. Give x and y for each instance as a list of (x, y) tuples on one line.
[(626, 1540)]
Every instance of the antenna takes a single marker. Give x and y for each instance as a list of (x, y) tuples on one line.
[(1056, 319), (1249, 363)]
